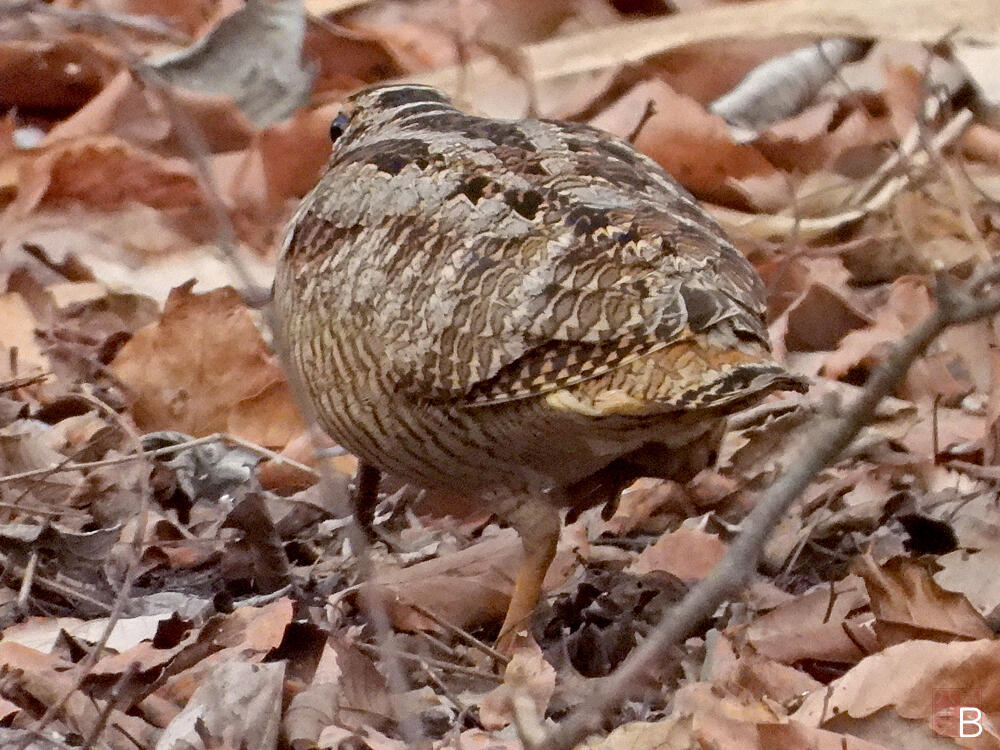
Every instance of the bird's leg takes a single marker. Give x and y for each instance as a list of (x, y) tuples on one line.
[(364, 498), (537, 523)]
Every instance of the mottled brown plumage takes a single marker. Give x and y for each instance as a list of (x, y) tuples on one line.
[(529, 312)]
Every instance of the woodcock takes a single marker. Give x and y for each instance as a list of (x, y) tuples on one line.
[(529, 312)]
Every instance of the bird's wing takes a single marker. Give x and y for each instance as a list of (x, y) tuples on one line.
[(521, 268)]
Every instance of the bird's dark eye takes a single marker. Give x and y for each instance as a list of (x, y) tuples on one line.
[(337, 126)]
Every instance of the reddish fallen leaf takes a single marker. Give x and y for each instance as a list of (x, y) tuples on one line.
[(909, 681), (58, 73), (689, 554), (908, 604), (464, 588), (106, 173), (204, 368), (46, 679), (817, 625), (128, 109), (693, 145)]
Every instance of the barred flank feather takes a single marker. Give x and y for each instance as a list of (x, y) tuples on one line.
[(476, 303)]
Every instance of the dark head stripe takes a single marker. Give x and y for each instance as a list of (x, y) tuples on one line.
[(397, 96)]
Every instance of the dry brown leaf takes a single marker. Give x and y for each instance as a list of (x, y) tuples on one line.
[(918, 20), (47, 679), (53, 74), (972, 574), (724, 721), (644, 506), (18, 346), (238, 704), (765, 678), (908, 302), (815, 625), (834, 135), (188, 16), (41, 633), (346, 690), (127, 109), (707, 70), (346, 58), (789, 279), (26, 445), (795, 736), (669, 734), (247, 634), (105, 173), (710, 704), (204, 368), (982, 142), (908, 604), (689, 554), (693, 145), (282, 163), (908, 679), (935, 229), (944, 427), (8, 711), (464, 588)]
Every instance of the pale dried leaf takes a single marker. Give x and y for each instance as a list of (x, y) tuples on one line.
[(238, 704)]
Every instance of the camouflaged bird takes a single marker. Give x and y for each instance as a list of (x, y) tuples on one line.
[(529, 312)]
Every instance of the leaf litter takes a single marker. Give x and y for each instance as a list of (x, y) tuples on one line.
[(251, 618)]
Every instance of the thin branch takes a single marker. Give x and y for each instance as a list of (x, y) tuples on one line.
[(14, 383), (823, 441), (218, 437), (85, 666), (457, 631), (42, 582), (444, 666)]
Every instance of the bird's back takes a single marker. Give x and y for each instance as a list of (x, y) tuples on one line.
[(457, 284)]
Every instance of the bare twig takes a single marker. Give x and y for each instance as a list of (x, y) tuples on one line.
[(14, 383), (110, 704), (167, 450), (457, 702), (648, 112), (467, 637), (42, 582), (874, 195), (26, 581), (131, 571), (823, 441), (444, 666)]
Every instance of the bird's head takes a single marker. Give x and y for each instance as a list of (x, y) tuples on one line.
[(374, 107)]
